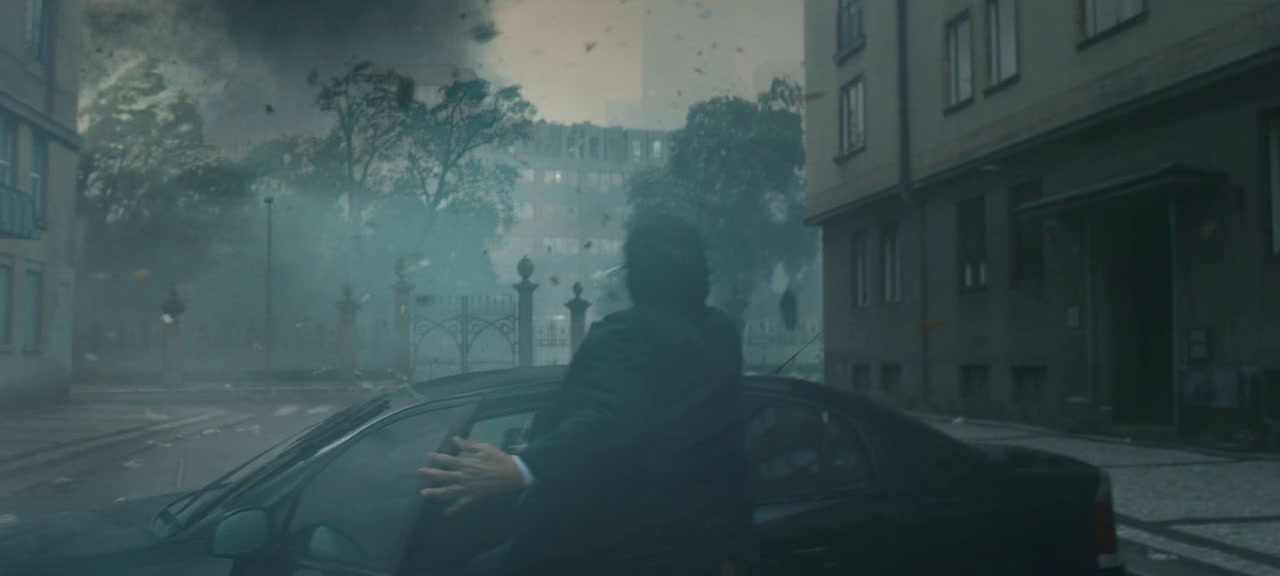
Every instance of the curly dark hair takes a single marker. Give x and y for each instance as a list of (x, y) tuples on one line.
[(666, 261)]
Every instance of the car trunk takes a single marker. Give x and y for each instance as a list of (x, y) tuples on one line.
[(1048, 505)]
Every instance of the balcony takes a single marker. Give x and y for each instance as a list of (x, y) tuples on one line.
[(17, 214)]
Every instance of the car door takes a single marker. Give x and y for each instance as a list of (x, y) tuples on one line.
[(819, 506), (355, 514)]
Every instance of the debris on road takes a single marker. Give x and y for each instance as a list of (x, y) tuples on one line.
[(120, 499), (63, 484), (210, 431), (149, 415), (958, 420), (131, 463), (8, 519), (1160, 556)]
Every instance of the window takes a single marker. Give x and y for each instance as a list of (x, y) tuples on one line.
[(8, 149), (34, 333), (974, 383), (6, 303), (852, 118), (959, 60), (524, 210), (595, 148), (1028, 383), (861, 271), (617, 179), (1099, 16), (593, 178), (637, 151), (571, 178), (797, 449), (1273, 175), (552, 176), (510, 432), (862, 377), (657, 150), (1026, 242), (891, 263), (39, 166), (383, 465), (39, 26), (890, 377), (527, 175), (972, 245), (1002, 40), (848, 26)]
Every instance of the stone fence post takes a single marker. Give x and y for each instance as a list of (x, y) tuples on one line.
[(403, 323), (347, 309), (173, 309), (577, 318), (524, 312)]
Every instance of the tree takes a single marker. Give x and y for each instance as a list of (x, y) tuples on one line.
[(446, 138), (368, 105), (154, 195), (735, 171)]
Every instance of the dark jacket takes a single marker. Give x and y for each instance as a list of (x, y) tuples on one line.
[(642, 468)]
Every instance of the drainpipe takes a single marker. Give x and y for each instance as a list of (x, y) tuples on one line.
[(904, 182), (1175, 375)]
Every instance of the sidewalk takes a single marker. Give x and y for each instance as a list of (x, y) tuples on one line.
[(1181, 510)]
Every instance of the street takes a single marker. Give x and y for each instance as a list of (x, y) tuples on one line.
[(100, 449), (1181, 512)]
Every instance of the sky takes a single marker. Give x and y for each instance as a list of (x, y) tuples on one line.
[(543, 47), (572, 57)]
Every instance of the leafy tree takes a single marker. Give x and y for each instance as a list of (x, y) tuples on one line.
[(735, 171), (154, 195)]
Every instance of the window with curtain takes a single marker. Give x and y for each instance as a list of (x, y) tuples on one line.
[(852, 117), (972, 244), (8, 149), (861, 271), (848, 25), (39, 167), (959, 60), (1002, 40), (34, 333), (6, 303), (39, 28), (1098, 16), (891, 263)]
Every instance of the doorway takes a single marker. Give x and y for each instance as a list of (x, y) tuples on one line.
[(1135, 319)]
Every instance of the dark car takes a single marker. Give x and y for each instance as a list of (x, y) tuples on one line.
[(843, 485)]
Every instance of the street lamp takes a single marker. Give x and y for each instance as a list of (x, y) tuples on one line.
[(267, 344)]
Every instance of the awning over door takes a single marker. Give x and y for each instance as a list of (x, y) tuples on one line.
[(1163, 181)]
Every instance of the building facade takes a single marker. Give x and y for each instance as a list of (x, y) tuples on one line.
[(570, 210), (1046, 209), (39, 80)]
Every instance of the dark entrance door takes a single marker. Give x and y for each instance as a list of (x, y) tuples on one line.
[(1137, 318)]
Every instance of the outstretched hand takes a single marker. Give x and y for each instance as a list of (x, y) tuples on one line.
[(479, 472)]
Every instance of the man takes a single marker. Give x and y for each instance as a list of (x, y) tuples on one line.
[(644, 470)]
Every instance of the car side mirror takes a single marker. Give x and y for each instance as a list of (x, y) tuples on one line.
[(240, 533), (327, 543)]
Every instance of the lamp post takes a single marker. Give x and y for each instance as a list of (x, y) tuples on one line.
[(267, 344)]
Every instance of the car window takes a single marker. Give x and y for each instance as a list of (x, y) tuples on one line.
[(799, 449), (510, 432), (367, 494)]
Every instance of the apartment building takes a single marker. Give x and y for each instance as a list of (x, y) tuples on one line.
[(1037, 209), (39, 79)]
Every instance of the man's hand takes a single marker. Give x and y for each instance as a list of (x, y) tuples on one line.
[(479, 472)]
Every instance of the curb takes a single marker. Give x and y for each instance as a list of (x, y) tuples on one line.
[(1217, 453)]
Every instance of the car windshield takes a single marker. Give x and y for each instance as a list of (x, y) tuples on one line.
[(1053, 226)]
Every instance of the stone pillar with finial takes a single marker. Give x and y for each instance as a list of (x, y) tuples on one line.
[(524, 312), (172, 310), (404, 319), (577, 318), (347, 309)]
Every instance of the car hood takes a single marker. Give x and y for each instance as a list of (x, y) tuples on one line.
[(110, 530)]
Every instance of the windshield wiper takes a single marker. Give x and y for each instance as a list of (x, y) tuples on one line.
[(311, 440)]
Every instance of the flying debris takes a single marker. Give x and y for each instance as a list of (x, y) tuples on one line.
[(698, 70), (555, 280), (484, 32), (313, 77), (587, 245), (141, 276), (589, 46), (739, 49), (269, 108)]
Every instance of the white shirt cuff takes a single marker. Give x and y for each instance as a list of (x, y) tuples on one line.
[(524, 471)]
